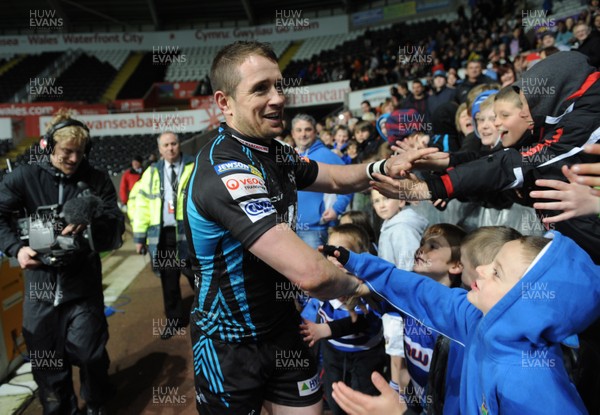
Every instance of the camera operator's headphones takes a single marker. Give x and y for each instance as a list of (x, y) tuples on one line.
[(47, 142)]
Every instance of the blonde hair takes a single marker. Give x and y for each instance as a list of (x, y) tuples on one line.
[(509, 94), (488, 103), (73, 133), (532, 246), (481, 246)]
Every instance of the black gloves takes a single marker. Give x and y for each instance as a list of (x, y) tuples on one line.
[(341, 254)]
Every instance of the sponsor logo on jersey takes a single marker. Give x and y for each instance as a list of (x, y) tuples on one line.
[(257, 209), (231, 165), (256, 172), (255, 146), (236, 165), (309, 386), (241, 184)]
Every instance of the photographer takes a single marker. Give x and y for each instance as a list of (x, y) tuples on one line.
[(63, 310)]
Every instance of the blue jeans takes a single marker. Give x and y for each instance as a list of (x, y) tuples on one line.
[(313, 238)]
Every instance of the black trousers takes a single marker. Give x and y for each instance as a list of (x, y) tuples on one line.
[(74, 333), (170, 270), (352, 368)]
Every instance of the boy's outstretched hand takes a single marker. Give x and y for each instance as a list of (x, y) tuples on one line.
[(589, 173), (357, 403), (342, 255), (572, 198)]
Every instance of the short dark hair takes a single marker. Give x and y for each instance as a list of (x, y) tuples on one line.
[(224, 72), (452, 233)]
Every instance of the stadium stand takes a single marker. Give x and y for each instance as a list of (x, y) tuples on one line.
[(76, 83), (20, 74)]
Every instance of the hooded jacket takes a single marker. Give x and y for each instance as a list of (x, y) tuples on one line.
[(400, 237), (31, 186), (563, 94), (513, 362)]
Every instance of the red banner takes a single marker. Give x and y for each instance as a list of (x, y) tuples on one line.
[(31, 112)]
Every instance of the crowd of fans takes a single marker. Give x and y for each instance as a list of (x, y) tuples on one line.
[(494, 34)]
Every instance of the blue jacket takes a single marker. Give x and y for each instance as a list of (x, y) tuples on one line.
[(311, 205), (513, 362)]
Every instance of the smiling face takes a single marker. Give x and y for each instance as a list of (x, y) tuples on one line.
[(255, 108), (304, 134), (67, 156), (496, 279), (466, 123), (512, 122), (485, 126)]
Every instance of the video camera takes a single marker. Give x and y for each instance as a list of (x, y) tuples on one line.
[(43, 230)]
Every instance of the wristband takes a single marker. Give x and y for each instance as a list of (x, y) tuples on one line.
[(376, 167)]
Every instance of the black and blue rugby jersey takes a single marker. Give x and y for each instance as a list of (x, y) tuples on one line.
[(240, 188)]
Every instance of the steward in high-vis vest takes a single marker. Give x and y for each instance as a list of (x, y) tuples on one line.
[(158, 224)]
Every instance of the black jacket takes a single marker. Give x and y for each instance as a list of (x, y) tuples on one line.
[(567, 116), (462, 89), (31, 186)]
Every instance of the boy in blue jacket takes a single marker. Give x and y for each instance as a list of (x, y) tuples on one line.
[(512, 321)]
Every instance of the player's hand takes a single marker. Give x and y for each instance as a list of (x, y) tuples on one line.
[(409, 189), (397, 166), (26, 257), (357, 403)]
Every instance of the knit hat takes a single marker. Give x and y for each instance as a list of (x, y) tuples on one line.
[(401, 123)]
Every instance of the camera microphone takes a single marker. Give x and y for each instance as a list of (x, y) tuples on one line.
[(84, 208)]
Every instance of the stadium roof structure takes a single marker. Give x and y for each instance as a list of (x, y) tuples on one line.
[(148, 15)]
